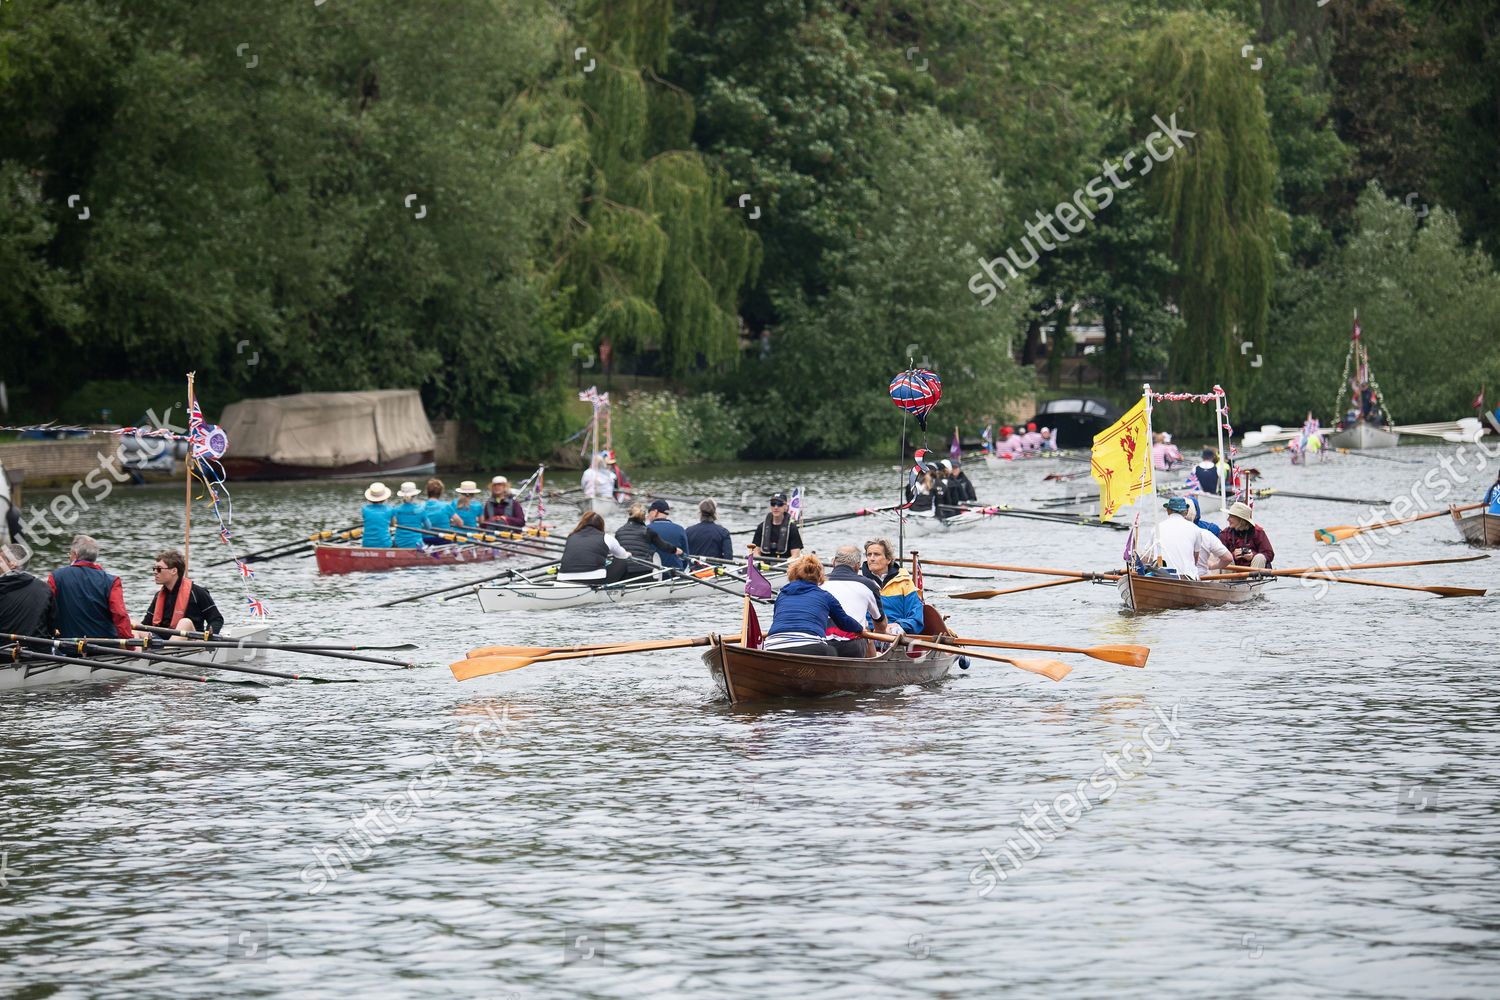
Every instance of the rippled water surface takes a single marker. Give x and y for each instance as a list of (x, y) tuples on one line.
[(1321, 821)]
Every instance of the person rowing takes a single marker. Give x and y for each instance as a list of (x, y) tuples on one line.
[(588, 553), (27, 604), (899, 596), (180, 603), (376, 517), (777, 537), (1185, 548), (1492, 497), (1206, 472), (960, 486), (437, 513), (859, 597), (1009, 446), (1246, 541), (90, 602), (708, 537), (409, 518), (804, 611), (466, 510), (598, 481), (502, 508), (1164, 454), (643, 542)]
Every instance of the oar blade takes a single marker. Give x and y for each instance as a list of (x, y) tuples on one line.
[(1455, 591), (1054, 670), (976, 595), (479, 666), (1130, 656), (1337, 533)]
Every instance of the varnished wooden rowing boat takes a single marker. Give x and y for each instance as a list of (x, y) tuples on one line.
[(755, 674), (335, 559), (1165, 593), (26, 675), (1480, 529)]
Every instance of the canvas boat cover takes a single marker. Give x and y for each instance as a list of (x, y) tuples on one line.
[(329, 429)]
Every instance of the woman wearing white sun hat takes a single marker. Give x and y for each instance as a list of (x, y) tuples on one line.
[(411, 514), (465, 510), (376, 516)]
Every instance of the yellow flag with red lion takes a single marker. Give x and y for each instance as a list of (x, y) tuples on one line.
[(1121, 461)]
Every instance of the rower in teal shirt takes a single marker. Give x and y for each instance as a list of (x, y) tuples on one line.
[(437, 512), (377, 517), (1493, 497), (410, 514), (467, 509)]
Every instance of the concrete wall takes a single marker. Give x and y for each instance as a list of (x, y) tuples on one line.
[(56, 463)]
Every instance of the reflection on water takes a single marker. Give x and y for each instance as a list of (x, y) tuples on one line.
[(1326, 824)]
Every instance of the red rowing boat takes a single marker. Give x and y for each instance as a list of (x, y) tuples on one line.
[(335, 559)]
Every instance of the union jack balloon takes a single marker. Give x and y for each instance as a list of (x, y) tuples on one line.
[(917, 391)]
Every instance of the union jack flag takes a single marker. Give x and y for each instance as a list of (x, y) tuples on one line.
[(794, 506), (245, 570), (224, 535), (256, 608)]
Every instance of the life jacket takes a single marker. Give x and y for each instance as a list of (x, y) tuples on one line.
[(775, 538), (179, 607), (585, 551), (83, 591)]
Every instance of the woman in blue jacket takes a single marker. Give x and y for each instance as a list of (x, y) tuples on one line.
[(804, 611), (376, 515), (898, 594), (411, 518)]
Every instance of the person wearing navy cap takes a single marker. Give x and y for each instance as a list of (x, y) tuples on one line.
[(1186, 548), (658, 516), (777, 536)]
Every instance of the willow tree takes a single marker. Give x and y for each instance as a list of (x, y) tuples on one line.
[(658, 254), (1214, 194)]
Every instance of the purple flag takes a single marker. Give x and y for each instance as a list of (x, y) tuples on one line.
[(755, 584)]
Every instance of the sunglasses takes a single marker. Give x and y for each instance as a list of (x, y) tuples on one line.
[(778, 503), (158, 569)]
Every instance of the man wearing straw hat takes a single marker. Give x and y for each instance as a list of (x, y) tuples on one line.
[(376, 516), (1245, 539), (410, 518)]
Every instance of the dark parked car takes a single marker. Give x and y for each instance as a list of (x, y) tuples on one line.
[(1076, 421)]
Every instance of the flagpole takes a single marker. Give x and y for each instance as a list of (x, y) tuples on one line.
[(187, 498), (1146, 465), (1223, 455)]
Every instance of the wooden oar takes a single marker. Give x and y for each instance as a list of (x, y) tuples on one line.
[(1023, 569), (1339, 532), (1051, 669), (481, 665), (1440, 591), (316, 536), (1272, 492), (1231, 570), (547, 650), (1128, 655), (295, 646), (461, 586), (984, 595)]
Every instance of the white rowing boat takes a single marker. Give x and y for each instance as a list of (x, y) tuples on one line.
[(928, 523), (24, 676), (553, 594), (1363, 436)]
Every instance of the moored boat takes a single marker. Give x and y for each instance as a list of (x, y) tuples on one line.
[(329, 435), (744, 674), (334, 559), (1480, 529), (28, 674), (1167, 593)]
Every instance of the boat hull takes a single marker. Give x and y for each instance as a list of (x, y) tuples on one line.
[(930, 524), (756, 675), (28, 676), (1481, 529), (558, 595), (1157, 593), (336, 559), (418, 463), (1363, 436)]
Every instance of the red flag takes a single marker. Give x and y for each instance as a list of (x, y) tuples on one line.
[(753, 636), (916, 573), (1479, 400)]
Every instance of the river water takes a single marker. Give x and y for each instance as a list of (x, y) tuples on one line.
[(1320, 816)]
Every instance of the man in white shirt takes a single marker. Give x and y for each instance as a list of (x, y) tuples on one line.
[(858, 596), (599, 479), (1184, 546)]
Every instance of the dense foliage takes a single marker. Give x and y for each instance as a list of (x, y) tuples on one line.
[(772, 203)]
